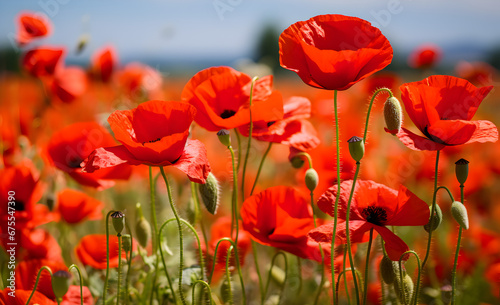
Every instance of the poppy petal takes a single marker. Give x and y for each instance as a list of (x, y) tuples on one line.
[(416, 142), (411, 211), (104, 157), (358, 229), (394, 246), (457, 132), (194, 162)]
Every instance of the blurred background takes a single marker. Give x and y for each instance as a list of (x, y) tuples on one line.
[(184, 36)]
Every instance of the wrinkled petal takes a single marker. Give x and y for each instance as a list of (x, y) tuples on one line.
[(457, 132), (416, 142), (105, 157), (358, 229), (194, 162), (394, 246)]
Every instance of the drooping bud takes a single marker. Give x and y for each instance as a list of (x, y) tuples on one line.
[(297, 162), (393, 115), (118, 219), (311, 179), (462, 170), (126, 242), (386, 270), (60, 283), (224, 137), (142, 228), (210, 194), (356, 148), (459, 212), (435, 219)]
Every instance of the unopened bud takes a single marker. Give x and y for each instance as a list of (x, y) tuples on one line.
[(462, 170), (143, 231), (459, 212), (393, 115), (127, 242), (405, 291), (224, 137), (356, 148), (60, 283), (435, 219), (386, 270), (297, 162), (311, 179), (225, 292), (210, 194), (118, 219)]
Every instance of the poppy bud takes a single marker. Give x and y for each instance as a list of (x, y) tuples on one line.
[(435, 219), (311, 179), (356, 148), (386, 270), (118, 219), (60, 283), (459, 212), (127, 242), (224, 292), (462, 170), (210, 194), (142, 228), (405, 292), (393, 115), (224, 137), (297, 162)]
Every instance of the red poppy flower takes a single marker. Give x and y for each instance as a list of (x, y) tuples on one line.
[(442, 107), (22, 296), (39, 244), (293, 130), (137, 79), (27, 271), (424, 57), (68, 84), (75, 206), (155, 133), (281, 217), (91, 250), (103, 64), (373, 206), (221, 96), (42, 61), (31, 26), (72, 297), (334, 51), (71, 145), (478, 73)]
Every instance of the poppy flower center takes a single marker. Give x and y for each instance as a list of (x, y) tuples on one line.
[(152, 141), (75, 162), (375, 215), (269, 124), (19, 206), (227, 113)]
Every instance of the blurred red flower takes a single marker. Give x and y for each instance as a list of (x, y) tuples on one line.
[(424, 57), (478, 73), (22, 296), (221, 96), (103, 64), (138, 80), (281, 217), (334, 52), (156, 134), (293, 130), (75, 206), (32, 26), (442, 107), (373, 206), (39, 244), (91, 250), (27, 271), (68, 84), (42, 61), (71, 145), (72, 297)]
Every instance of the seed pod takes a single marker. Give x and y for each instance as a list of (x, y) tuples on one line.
[(356, 148), (210, 194), (118, 219), (393, 115), (126, 242), (459, 212), (462, 170), (224, 137), (386, 270), (60, 283), (436, 219), (311, 179)]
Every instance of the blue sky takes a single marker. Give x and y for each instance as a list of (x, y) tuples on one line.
[(198, 29)]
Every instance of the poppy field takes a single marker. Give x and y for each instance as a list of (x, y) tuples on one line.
[(343, 182)]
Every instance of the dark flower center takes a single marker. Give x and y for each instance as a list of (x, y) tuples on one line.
[(432, 137), (269, 124), (75, 162), (227, 113), (19, 206), (152, 141), (375, 215)]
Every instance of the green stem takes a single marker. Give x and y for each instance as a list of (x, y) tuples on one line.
[(322, 281), (335, 214), (260, 166), (348, 235), (269, 274), (228, 276), (249, 142), (194, 194), (370, 108), (454, 272), (181, 239), (206, 286), (307, 156), (433, 209), (37, 279), (256, 261), (238, 139), (153, 208), (73, 266), (119, 269), (129, 262), (107, 259), (365, 290), (234, 198), (414, 298)]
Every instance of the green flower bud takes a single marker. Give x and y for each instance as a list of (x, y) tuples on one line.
[(210, 194), (393, 115), (459, 212), (143, 231), (297, 162), (311, 179), (127, 242), (356, 148), (60, 283), (462, 170), (118, 219), (387, 270), (225, 292), (436, 219), (224, 137), (404, 292)]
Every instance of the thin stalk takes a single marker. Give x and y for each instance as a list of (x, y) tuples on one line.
[(206, 286), (370, 109), (256, 261), (37, 279), (234, 198), (457, 251), (194, 194), (249, 142), (238, 139), (365, 289), (335, 214), (73, 266), (153, 208), (181, 239), (228, 276), (129, 263), (260, 166), (322, 281), (307, 156), (119, 269), (415, 295), (107, 259), (269, 274), (433, 209)]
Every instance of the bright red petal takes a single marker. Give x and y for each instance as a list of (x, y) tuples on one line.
[(411, 210), (105, 157), (457, 132), (194, 162), (416, 142), (394, 246)]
